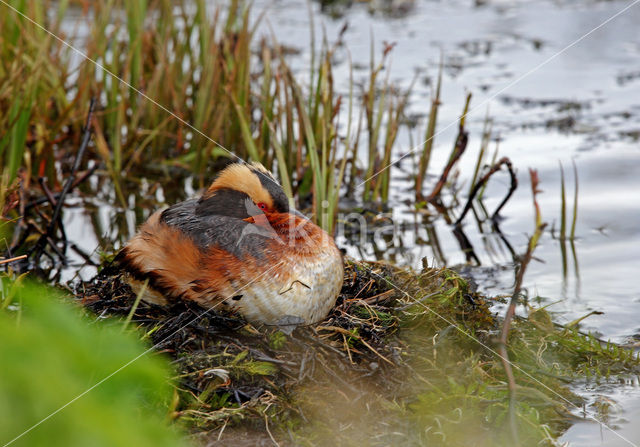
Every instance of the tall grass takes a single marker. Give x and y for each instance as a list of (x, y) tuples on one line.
[(563, 237), (33, 74), (430, 131), (563, 207), (181, 85), (236, 104)]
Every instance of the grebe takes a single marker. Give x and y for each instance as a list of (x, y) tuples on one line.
[(240, 247)]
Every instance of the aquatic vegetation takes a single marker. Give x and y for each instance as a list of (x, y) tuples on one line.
[(164, 104), (415, 352), (425, 155), (562, 235)]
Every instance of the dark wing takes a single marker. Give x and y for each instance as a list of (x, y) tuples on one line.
[(224, 202), (182, 215), (218, 222)]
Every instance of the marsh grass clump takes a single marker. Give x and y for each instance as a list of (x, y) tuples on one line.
[(184, 88), (416, 351), (464, 384), (231, 371), (180, 84), (33, 74)]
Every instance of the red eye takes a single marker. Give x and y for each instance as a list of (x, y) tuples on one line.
[(262, 206)]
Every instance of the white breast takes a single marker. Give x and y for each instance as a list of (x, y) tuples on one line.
[(306, 288)]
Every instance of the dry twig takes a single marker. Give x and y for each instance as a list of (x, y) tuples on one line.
[(504, 334)]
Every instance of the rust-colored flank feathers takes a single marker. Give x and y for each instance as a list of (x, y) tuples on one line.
[(240, 247)]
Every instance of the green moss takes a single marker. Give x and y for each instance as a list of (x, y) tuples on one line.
[(404, 358), (277, 340), (452, 388)]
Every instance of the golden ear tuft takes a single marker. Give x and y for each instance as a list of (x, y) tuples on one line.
[(259, 167)]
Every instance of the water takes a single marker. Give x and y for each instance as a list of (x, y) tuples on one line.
[(562, 87), (495, 52), (554, 99), (624, 408)]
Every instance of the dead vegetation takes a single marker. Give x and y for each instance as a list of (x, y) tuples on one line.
[(403, 358), (230, 371)]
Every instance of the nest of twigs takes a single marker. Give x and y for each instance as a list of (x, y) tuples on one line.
[(230, 370)]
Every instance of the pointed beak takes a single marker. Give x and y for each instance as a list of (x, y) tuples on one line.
[(259, 219)]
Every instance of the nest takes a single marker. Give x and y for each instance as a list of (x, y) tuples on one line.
[(230, 370)]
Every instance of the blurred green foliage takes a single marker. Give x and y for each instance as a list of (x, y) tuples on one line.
[(50, 355)]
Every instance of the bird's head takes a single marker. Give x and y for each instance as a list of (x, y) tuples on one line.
[(242, 181)]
